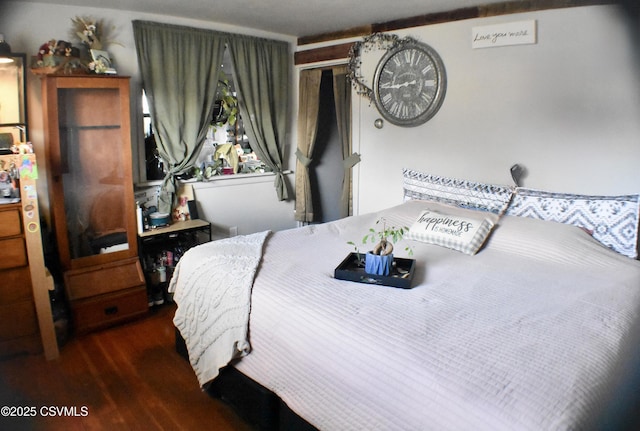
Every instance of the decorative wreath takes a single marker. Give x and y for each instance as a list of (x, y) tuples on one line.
[(373, 41)]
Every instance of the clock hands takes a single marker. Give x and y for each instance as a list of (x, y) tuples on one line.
[(427, 83), (404, 84)]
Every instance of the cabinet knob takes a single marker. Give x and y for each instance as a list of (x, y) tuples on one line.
[(111, 310)]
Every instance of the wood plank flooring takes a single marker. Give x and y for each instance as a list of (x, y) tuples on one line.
[(124, 378)]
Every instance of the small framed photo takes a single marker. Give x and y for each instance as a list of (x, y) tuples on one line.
[(102, 62)]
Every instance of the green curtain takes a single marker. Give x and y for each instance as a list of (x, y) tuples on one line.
[(179, 67), (262, 69)]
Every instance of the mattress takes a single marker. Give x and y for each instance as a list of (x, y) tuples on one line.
[(534, 332)]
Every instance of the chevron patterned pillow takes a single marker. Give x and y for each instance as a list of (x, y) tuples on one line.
[(612, 220), (457, 192)]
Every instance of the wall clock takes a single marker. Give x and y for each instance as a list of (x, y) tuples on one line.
[(409, 83)]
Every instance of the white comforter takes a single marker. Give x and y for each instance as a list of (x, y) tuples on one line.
[(526, 335)]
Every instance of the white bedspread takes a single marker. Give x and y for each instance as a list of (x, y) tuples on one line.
[(526, 335), (214, 294)]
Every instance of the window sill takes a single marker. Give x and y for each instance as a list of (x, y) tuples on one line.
[(220, 180)]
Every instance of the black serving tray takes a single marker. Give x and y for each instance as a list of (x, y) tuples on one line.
[(401, 272)]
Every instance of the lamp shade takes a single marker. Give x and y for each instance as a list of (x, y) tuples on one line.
[(5, 51)]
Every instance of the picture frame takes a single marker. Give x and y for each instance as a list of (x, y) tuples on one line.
[(104, 59)]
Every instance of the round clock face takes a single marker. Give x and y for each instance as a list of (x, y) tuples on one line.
[(409, 84)]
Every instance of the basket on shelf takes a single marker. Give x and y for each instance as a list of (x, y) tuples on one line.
[(58, 65)]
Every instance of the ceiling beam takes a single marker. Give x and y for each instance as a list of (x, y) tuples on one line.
[(483, 11)]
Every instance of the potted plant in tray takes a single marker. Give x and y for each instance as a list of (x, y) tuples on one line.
[(379, 260)]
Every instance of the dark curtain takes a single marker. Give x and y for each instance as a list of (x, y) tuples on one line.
[(342, 98), (308, 107)]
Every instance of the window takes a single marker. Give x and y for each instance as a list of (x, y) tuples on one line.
[(154, 165), (226, 149)]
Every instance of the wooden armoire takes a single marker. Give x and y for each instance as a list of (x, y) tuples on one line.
[(88, 142)]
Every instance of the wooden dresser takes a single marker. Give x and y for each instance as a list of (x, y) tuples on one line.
[(26, 323), (18, 321)]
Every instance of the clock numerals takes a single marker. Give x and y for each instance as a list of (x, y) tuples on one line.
[(402, 110), (408, 109), (412, 57)]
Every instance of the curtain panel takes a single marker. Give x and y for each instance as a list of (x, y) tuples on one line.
[(262, 72), (308, 108), (179, 67), (342, 100)]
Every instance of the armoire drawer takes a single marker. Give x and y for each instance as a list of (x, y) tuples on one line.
[(105, 310), (102, 279)]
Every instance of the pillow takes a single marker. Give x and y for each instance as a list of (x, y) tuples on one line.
[(454, 228), (612, 220), (461, 193)]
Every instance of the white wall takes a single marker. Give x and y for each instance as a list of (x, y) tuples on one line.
[(243, 203), (27, 25), (567, 108)]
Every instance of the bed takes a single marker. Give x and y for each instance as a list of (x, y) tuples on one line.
[(535, 329)]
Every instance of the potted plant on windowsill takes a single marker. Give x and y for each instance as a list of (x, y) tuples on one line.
[(379, 260)]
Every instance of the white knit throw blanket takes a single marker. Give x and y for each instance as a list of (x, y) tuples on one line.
[(216, 287)]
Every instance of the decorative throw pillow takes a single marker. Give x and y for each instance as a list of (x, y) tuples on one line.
[(454, 228), (458, 192), (612, 220)]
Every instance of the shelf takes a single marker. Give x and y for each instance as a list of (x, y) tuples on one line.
[(13, 125), (176, 227), (160, 250)]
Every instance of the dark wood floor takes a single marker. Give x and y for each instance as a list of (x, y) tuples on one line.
[(125, 378)]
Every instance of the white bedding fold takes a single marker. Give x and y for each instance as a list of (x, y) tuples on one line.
[(212, 287)]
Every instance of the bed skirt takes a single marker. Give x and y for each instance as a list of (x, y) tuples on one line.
[(255, 404)]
